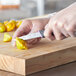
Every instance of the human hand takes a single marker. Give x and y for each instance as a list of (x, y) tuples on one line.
[(30, 26), (62, 24)]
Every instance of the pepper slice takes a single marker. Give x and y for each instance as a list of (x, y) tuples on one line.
[(10, 25), (21, 44), (5, 22), (2, 28), (7, 37), (18, 23)]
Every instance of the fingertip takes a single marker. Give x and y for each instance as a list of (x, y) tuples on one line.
[(49, 37), (61, 37)]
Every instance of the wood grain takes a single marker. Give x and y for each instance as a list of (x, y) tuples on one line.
[(41, 56), (64, 70)]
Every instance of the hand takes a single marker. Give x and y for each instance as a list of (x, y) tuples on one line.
[(62, 24), (30, 26)]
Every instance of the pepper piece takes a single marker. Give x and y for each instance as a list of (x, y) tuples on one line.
[(21, 44), (5, 22), (10, 25), (18, 23), (2, 28), (7, 37)]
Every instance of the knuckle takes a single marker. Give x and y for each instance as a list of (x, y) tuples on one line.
[(69, 29), (60, 24), (55, 23)]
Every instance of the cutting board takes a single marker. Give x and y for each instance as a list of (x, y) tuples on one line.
[(44, 55)]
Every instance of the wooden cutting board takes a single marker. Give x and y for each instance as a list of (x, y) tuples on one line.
[(41, 56)]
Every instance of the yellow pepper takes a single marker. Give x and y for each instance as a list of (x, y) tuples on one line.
[(5, 22), (18, 23), (10, 25), (7, 37), (21, 44), (2, 28)]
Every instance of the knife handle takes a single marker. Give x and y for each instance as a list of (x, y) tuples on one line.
[(42, 33)]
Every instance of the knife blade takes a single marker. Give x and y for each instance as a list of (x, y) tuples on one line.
[(39, 34)]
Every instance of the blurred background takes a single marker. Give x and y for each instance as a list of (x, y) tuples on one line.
[(20, 9)]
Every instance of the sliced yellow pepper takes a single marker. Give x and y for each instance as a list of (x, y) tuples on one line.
[(7, 37), (21, 44), (18, 23), (5, 22), (2, 28), (10, 25)]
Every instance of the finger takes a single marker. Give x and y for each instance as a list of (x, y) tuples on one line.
[(22, 30), (48, 33), (65, 33), (71, 28), (57, 33), (62, 29)]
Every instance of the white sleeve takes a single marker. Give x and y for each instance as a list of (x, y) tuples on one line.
[(50, 15)]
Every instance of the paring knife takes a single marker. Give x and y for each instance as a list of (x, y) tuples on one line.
[(39, 34)]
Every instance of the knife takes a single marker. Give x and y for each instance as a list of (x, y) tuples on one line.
[(39, 34)]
